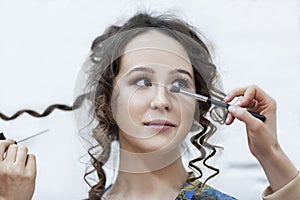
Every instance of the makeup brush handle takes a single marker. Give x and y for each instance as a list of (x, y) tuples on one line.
[(218, 103), (226, 105), (2, 137), (261, 117)]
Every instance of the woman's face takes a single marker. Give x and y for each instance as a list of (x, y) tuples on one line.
[(149, 116)]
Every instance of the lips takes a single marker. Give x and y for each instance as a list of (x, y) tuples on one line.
[(160, 125)]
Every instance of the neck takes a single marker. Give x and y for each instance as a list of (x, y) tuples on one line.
[(152, 176), (140, 163), (155, 184)]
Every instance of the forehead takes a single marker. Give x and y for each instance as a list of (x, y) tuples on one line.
[(157, 49)]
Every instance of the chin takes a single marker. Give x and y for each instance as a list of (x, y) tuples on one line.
[(149, 141), (157, 145)]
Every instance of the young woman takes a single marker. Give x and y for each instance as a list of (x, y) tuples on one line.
[(131, 71)]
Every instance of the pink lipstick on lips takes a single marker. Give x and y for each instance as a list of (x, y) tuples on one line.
[(159, 125)]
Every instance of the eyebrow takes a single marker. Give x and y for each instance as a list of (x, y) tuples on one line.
[(150, 70), (182, 71), (140, 69)]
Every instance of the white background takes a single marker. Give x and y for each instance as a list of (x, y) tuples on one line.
[(43, 44)]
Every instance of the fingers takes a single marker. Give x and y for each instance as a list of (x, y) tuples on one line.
[(4, 144), (31, 165), (243, 115), (17, 171), (248, 94), (11, 153), (254, 99), (14, 154), (16, 162), (21, 156), (229, 119)]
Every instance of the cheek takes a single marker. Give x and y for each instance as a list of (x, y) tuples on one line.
[(137, 104), (187, 119), (129, 105), (186, 109)]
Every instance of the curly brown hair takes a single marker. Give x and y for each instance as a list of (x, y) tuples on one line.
[(104, 66)]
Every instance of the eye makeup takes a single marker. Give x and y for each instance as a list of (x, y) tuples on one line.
[(182, 81), (145, 81), (140, 80), (147, 76)]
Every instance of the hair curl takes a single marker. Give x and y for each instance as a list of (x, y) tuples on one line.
[(104, 64)]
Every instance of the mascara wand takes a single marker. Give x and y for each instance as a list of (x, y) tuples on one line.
[(203, 98)]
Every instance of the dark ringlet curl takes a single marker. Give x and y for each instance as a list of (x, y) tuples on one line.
[(105, 63)]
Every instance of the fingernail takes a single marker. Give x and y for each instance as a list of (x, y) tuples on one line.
[(226, 98), (227, 119)]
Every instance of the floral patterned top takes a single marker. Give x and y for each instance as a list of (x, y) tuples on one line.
[(192, 191)]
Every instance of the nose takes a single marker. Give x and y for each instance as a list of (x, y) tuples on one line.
[(161, 99)]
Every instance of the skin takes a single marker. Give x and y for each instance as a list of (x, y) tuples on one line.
[(18, 168), (262, 136), (17, 172), (165, 183), (135, 103)]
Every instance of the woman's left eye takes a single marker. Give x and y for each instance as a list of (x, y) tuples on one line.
[(181, 83)]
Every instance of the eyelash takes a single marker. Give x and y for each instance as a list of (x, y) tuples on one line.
[(143, 77), (183, 82)]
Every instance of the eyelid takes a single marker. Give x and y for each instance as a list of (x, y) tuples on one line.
[(185, 78), (146, 82), (135, 78), (183, 72), (181, 83), (139, 75)]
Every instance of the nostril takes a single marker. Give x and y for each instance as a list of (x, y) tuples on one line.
[(161, 99), (166, 105)]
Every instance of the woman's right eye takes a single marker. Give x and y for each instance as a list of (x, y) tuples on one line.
[(144, 82)]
